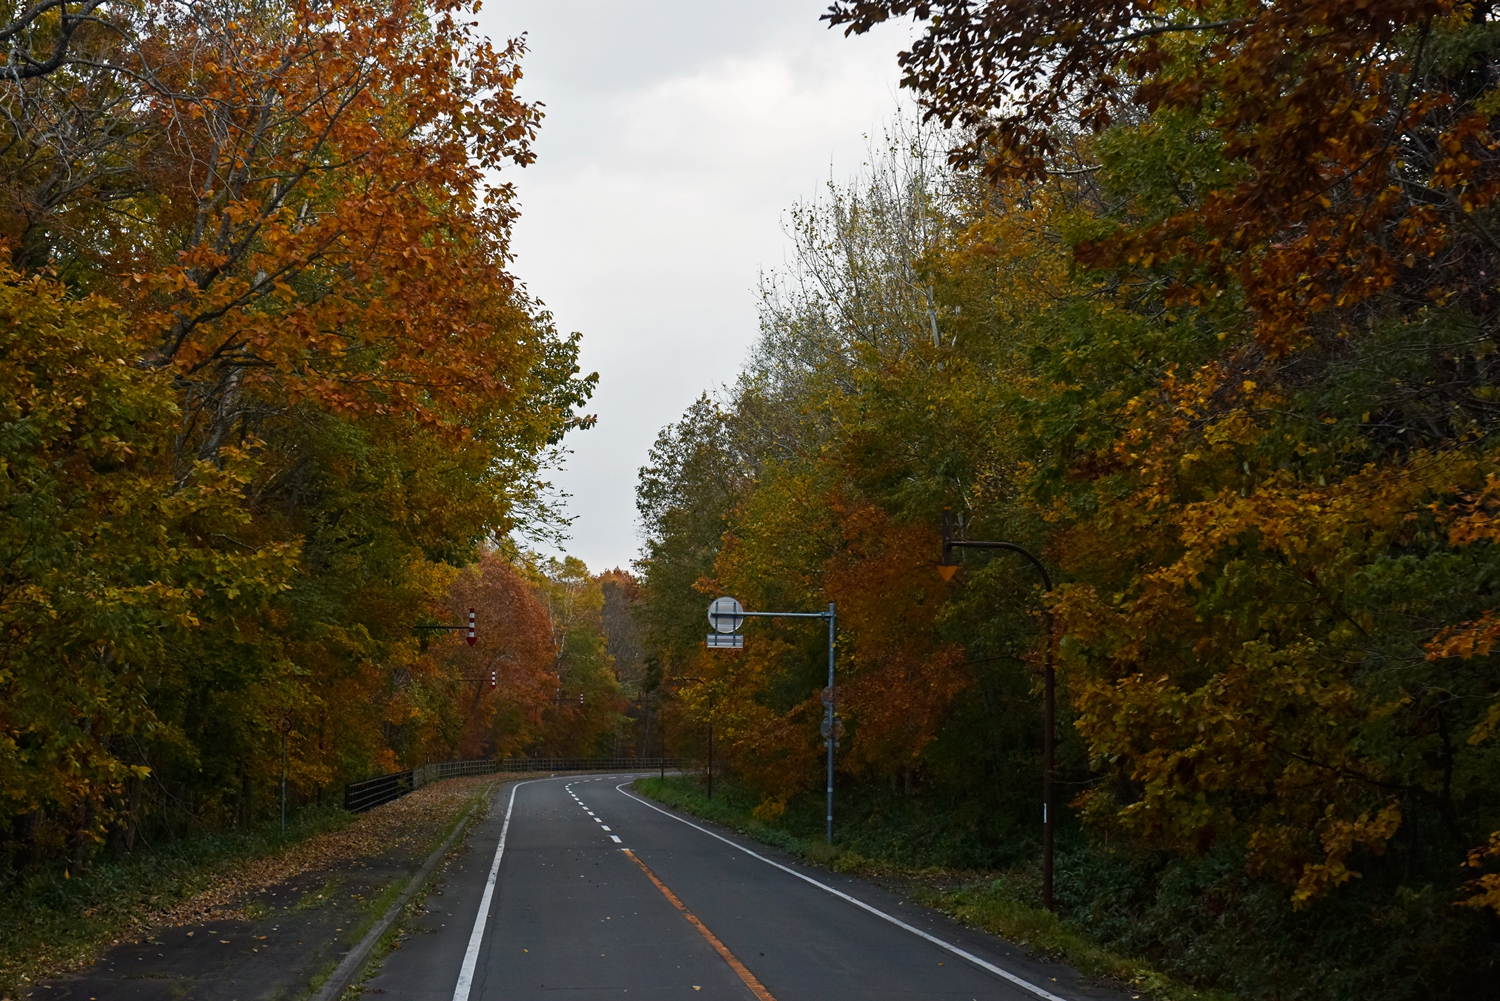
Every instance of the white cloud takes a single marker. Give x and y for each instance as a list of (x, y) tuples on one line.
[(677, 134)]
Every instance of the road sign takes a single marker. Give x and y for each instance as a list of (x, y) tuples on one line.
[(726, 615), (725, 641), (835, 727), (831, 696)]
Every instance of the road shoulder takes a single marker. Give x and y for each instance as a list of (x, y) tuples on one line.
[(277, 927)]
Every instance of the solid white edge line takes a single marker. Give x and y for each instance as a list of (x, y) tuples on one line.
[(476, 938), (1040, 992)]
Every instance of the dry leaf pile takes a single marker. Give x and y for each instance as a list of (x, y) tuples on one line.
[(409, 824)]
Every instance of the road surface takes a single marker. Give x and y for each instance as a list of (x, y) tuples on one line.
[(577, 887)]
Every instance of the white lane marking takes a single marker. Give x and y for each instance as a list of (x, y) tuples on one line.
[(615, 839), (604, 828), (955, 950), (596, 819), (476, 938)]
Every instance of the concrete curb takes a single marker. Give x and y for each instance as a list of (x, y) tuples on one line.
[(354, 960)]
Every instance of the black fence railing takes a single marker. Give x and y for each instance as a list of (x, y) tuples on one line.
[(585, 764), (366, 795), (370, 793)]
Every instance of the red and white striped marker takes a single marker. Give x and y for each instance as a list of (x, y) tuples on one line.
[(471, 627), (494, 679)]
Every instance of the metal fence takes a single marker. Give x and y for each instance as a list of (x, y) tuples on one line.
[(366, 795), (370, 793), (585, 764)]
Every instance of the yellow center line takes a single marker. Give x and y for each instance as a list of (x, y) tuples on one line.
[(756, 987)]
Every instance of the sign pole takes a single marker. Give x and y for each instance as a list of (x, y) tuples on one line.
[(726, 616)]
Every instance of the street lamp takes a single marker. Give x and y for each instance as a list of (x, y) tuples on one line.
[(947, 568)]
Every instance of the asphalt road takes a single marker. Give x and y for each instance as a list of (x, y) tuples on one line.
[(598, 892)]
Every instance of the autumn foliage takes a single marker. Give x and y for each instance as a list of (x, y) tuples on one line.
[(1197, 301), (272, 405)]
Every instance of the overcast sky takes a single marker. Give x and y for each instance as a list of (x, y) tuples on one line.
[(677, 133)]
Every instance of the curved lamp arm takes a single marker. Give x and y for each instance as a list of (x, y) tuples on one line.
[(947, 567)]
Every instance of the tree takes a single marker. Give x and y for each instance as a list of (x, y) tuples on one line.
[(1317, 179), (40, 36), (268, 248), (111, 559), (586, 715)]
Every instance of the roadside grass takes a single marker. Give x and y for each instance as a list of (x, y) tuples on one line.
[(312, 899), (993, 901), (56, 918)]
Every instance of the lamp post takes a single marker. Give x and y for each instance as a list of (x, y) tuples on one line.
[(661, 742), (947, 568)]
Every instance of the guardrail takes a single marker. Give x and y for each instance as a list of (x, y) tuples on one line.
[(370, 793)]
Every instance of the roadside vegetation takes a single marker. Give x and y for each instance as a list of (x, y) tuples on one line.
[(271, 406), (1199, 304)]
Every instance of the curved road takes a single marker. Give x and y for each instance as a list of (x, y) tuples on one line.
[(597, 891)]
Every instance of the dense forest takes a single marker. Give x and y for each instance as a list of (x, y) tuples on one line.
[(1193, 301), (272, 404)]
